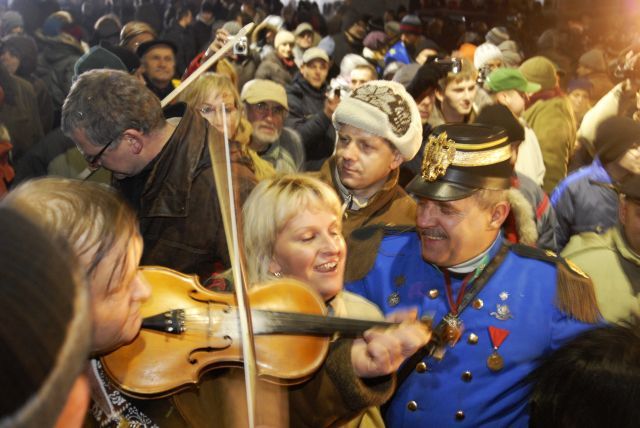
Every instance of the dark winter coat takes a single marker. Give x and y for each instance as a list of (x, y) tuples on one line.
[(306, 115), (272, 68)]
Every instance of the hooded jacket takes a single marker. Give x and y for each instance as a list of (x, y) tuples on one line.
[(58, 56), (554, 124)]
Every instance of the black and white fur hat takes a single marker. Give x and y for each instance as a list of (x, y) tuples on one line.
[(385, 109)]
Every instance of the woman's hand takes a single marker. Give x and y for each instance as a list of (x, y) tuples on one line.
[(381, 352)]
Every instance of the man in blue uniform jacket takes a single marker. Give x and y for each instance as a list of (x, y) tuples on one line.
[(502, 306)]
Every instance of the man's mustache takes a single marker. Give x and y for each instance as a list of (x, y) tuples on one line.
[(433, 232)]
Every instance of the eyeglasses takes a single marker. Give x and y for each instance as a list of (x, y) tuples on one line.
[(264, 110), (93, 160), (208, 110)]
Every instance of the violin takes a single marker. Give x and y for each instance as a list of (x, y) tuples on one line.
[(188, 330)]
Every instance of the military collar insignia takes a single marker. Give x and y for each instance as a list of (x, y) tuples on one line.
[(438, 155)]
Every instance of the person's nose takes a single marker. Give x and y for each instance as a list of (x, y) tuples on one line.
[(426, 215), (350, 152)]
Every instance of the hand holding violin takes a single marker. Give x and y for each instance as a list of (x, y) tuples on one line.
[(381, 351)]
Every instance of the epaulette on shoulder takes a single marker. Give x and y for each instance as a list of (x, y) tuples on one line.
[(575, 294), (367, 232)]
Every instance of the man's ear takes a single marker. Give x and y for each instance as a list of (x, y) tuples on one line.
[(499, 214), (439, 94), (134, 140), (397, 160)]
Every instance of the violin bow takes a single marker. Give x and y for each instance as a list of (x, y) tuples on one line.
[(220, 153), (244, 31)]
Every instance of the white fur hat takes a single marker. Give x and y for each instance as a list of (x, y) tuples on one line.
[(385, 109)]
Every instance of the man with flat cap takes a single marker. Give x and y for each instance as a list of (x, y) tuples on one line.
[(612, 259), (498, 306)]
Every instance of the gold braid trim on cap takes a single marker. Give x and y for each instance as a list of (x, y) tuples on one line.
[(483, 158), (438, 155)]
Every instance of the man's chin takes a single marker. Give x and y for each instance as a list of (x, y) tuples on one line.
[(265, 137)]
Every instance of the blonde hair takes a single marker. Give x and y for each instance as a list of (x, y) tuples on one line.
[(468, 72), (214, 83), (269, 208), (91, 217), (132, 29)]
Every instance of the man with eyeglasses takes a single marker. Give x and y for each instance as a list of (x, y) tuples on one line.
[(160, 164), (267, 107)]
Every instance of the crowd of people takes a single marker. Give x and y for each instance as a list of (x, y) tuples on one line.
[(467, 171)]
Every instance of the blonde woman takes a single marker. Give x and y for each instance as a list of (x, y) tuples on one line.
[(208, 95), (293, 228)]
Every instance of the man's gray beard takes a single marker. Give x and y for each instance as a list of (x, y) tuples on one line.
[(263, 140)]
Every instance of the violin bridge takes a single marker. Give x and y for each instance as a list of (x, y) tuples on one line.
[(171, 322)]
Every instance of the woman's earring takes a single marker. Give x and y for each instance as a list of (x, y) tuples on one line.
[(277, 274)]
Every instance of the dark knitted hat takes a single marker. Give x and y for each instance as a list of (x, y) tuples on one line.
[(44, 323), (615, 136), (501, 116), (411, 24), (207, 6), (579, 83), (25, 48), (97, 57), (349, 19), (376, 40), (497, 35), (9, 21)]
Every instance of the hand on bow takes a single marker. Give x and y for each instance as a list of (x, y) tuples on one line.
[(381, 352)]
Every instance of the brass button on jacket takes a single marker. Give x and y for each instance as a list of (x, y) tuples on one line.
[(412, 406)]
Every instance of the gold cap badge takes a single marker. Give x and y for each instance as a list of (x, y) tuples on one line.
[(438, 155)]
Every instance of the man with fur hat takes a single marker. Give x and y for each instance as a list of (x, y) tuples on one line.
[(378, 128), (404, 51), (517, 302), (279, 65), (581, 205), (267, 107), (550, 116), (612, 259)]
